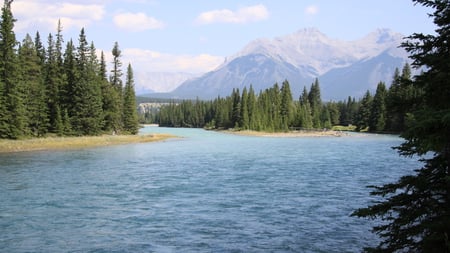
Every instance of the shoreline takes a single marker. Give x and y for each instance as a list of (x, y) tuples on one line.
[(328, 133), (79, 142)]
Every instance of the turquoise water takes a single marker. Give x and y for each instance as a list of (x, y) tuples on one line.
[(205, 192)]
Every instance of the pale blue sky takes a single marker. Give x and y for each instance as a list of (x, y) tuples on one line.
[(195, 36)]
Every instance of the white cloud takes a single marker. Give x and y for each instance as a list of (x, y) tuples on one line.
[(136, 22), (31, 14), (153, 61), (240, 16), (162, 72), (312, 10)]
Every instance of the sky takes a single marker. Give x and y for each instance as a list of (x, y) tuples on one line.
[(195, 36)]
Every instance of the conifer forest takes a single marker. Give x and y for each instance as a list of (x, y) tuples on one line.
[(275, 109), (53, 86)]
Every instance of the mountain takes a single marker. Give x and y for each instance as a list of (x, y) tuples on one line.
[(343, 67), (151, 82)]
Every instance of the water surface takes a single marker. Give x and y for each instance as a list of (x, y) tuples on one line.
[(205, 192)]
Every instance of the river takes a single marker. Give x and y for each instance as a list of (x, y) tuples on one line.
[(204, 192)]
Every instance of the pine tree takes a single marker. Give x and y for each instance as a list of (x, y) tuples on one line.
[(110, 98), (116, 111), (286, 110), (87, 116), (244, 118), (363, 115), (13, 119), (305, 114), (39, 48), (316, 103), (72, 76), (416, 208), (34, 89), (377, 120), (53, 84), (253, 112), (236, 108), (130, 117)]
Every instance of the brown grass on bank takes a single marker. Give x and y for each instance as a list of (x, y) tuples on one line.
[(64, 143), (286, 134)]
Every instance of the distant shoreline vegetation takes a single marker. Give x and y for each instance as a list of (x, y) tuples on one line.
[(64, 91), (275, 110)]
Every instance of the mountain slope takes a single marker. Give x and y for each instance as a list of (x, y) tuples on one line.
[(343, 67)]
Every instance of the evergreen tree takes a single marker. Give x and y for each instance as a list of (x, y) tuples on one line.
[(110, 99), (305, 114), (253, 113), (286, 110), (377, 120), (236, 108), (316, 103), (416, 208), (325, 118), (39, 48), (130, 117), (13, 119), (335, 113), (53, 82), (34, 89), (87, 100), (244, 119), (274, 103), (72, 76), (363, 115), (116, 111)]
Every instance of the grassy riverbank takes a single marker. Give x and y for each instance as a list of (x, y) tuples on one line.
[(287, 134), (65, 143)]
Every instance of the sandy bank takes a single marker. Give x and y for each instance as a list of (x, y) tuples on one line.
[(66, 143), (287, 134)]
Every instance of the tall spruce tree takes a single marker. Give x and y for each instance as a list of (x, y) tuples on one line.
[(305, 114), (253, 112), (53, 84), (286, 110), (377, 120), (316, 103), (34, 94), (110, 98), (244, 118), (116, 111), (13, 119), (87, 100), (363, 115), (416, 208), (130, 117)]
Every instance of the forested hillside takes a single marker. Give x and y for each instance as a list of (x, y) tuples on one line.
[(275, 109), (61, 88)]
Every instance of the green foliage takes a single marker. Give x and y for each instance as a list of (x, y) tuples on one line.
[(45, 91), (363, 115), (377, 120), (272, 110), (130, 117), (416, 209), (13, 121), (34, 94)]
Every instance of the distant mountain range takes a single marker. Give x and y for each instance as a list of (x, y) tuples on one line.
[(344, 68)]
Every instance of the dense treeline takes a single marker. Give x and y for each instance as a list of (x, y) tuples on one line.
[(274, 109), (63, 91)]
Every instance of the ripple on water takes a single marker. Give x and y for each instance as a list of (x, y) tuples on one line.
[(207, 192)]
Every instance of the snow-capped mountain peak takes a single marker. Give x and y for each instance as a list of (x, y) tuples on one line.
[(343, 67)]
